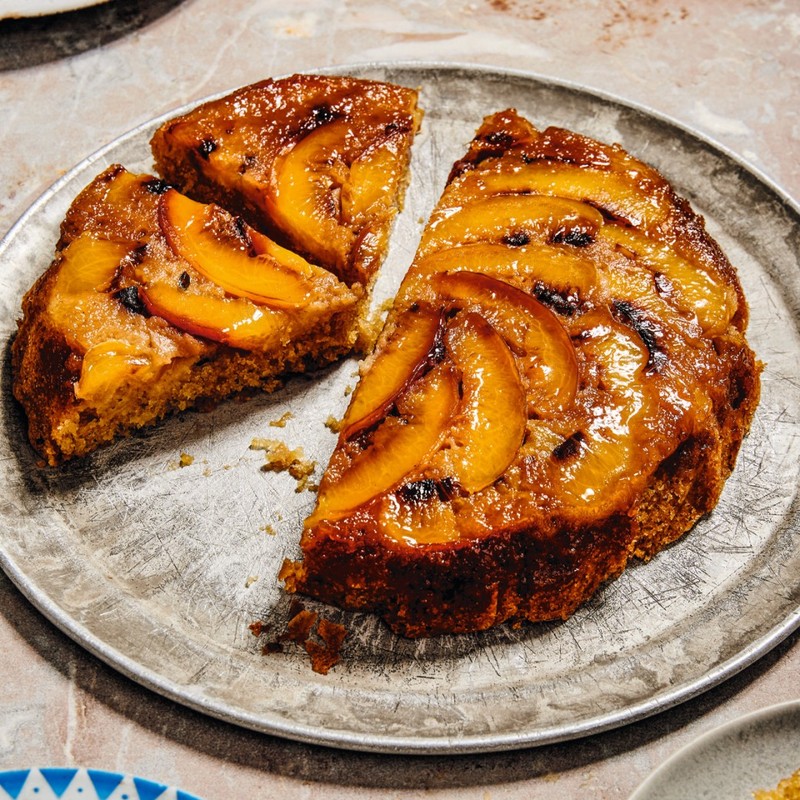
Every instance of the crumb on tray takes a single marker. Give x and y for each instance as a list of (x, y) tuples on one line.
[(787, 789), (281, 423), (333, 424), (321, 638), (280, 458)]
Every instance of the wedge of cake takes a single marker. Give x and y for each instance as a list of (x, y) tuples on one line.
[(563, 383), (156, 302), (310, 159)]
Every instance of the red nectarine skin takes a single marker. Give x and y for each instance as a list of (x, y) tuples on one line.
[(397, 365), (237, 258), (233, 321), (357, 475)]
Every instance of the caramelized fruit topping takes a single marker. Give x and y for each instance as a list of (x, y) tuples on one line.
[(405, 439), (397, 365), (242, 261)]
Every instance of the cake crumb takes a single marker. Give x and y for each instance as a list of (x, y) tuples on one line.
[(348, 390), (326, 655), (370, 328), (251, 579), (269, 530), (280, 458), (281, 423), (321, 638), (184, 460), (333, 424)]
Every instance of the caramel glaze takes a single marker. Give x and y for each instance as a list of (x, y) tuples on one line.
[(617, 463), (284, 154)]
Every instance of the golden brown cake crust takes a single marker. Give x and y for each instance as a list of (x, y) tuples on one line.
[(616, 462)]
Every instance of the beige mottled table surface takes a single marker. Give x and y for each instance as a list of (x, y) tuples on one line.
[(729, 69)]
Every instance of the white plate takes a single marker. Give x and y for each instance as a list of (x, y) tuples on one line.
[(61, 783), (150, 566), (39, 8), (732, 761)]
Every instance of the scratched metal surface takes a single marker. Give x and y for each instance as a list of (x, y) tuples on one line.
[(150, 565)]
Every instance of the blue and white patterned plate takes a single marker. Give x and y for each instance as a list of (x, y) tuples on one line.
[(58, 783)]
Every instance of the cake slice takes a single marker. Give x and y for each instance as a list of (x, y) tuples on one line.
[(563, 383), (156, 302), (318, 162)]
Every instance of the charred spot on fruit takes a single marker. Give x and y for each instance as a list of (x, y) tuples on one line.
[(184, 280), (137, 255), (418, 491), (248, 160), (573, 237), (112, 173), (439, 349), (322, 114), (648, 330), (517, 239), (500, 139), (569, 448), (663, 284), (564, 304), (242, 232), (425, 489), (527, 158), (156, 186), (397, 126), (485, 155), (206, 148), (129, 297)]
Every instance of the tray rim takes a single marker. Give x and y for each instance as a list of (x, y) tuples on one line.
[(417, 745)]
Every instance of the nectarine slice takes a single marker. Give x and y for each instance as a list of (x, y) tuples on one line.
[(418, 522), (605, 457), (242, 261), (107, 366), (692, 289), (559, 272), (491, 419), (538, 339), (80, 303), (394, 367), (233, 321), (512, 217), (372, 183), (305, 190), (641, 203), (89, 264), (397, 447)]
